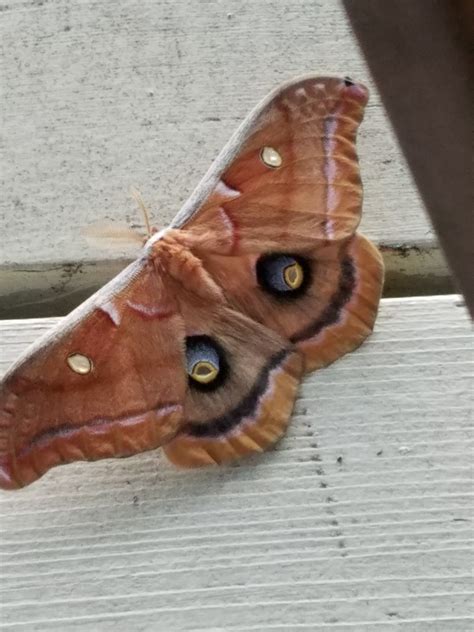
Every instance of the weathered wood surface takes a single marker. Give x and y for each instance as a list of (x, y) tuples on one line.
[(361, 519), (100, 96)]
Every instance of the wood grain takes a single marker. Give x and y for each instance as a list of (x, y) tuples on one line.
[(96, 98), (361, 519)]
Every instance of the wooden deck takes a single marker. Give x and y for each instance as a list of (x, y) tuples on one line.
[(361, 518)]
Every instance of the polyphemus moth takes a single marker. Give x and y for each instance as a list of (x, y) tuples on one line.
[(199, 345)]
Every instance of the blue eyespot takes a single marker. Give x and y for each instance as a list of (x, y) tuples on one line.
[(283, 275), (205, 362)]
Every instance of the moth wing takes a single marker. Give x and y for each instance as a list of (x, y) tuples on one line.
[(333, 310), (302, 200), (290, 172), (248, 407), (108, 381)]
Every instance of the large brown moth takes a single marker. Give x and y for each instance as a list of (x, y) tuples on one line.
[(200, 344)]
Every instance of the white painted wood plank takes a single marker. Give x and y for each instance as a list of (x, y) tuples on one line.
[(360, 519), (99, 97)]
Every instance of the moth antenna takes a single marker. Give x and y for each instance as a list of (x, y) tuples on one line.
[(111, 235), (136, 195)]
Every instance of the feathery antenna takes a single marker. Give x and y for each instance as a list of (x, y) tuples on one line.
[(136, 195)]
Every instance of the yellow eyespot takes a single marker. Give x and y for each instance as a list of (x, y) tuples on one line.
[(293, 275), (271, 157), (79, 363), (204, 372)]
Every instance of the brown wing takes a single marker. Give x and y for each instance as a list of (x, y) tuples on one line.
[(329, 314), (293, 177), (109, 384), (292, 193), (248, 406)]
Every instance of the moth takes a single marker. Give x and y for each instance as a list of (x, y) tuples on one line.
[(199, 346)]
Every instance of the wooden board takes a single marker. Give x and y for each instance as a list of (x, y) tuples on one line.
[(361, 519), (99, 97)]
